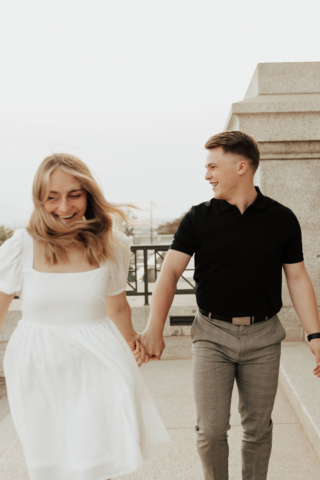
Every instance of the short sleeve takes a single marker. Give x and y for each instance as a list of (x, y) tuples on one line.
[(185, 237), (11, 259), (119, 268), (293, 252)]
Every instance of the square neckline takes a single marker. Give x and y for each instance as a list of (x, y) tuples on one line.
[(31, 260)]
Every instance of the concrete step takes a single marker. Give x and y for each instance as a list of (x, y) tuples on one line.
[(302, 388)]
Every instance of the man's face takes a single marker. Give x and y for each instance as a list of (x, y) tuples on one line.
[(223, 172)]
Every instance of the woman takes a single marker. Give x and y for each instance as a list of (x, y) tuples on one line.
[(77, 398)]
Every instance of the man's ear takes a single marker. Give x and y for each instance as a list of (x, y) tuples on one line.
[(243, 167)]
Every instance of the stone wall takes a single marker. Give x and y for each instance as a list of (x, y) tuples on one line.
[(281, 110)]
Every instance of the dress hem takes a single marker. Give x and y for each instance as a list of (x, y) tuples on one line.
[(130, 470), (126, 472)]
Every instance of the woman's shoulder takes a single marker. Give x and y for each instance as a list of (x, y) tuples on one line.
[(11, 261), (16, 240)]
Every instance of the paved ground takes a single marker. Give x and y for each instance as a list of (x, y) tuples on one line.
[(171, 387)]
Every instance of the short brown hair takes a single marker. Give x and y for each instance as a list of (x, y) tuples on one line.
[(236, 142)]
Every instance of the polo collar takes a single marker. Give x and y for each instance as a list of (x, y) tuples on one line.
[(260, 202)]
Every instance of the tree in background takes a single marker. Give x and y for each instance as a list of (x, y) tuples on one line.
[(5, 233), (168, 228)]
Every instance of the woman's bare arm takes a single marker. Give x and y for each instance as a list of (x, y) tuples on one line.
[(5, 301), (118, 309)]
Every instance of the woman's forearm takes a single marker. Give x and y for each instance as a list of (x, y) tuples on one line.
[(123, 320)]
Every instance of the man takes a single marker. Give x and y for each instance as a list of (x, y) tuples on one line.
[(241, 240)]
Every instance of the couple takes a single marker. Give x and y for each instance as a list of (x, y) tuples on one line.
[(78, 401)]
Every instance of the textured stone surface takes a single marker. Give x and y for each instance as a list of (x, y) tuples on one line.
[(11, 321), (285, 78), (4, 407), (177, 348), (3, 389), (295, 184), (277, 126), (3, 346), (13, 466), (291, 324), (299, 149), (278, 104), (8, 434), (302, 388)]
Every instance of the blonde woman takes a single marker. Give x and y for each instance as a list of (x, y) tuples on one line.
[(77, 398)]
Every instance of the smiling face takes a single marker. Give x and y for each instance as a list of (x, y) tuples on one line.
[(67, 198), (224, 172)]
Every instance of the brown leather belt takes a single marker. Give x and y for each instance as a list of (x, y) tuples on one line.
[(236, 320)]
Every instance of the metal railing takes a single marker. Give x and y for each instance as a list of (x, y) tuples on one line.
[(144, 269)]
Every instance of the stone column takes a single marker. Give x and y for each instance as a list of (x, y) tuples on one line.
[(281, 110)]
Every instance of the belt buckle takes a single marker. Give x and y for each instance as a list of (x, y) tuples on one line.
[(241, 320)]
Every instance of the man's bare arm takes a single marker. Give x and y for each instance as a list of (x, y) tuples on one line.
[(173, 266), (305, 304)]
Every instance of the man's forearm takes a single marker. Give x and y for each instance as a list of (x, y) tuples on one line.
[(162, 298), (305, 303)]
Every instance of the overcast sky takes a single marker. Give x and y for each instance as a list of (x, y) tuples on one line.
[(134, 87)]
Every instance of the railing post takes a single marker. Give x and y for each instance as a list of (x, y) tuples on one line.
[(145, 261)]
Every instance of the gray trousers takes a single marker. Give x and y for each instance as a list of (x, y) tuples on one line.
[(250, 354)]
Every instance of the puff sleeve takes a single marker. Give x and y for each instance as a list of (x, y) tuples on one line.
[(118, 270), (11, 258)]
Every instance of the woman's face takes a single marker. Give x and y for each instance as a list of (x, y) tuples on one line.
[(67, 198)]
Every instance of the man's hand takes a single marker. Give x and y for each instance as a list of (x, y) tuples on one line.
[(153, 342), (315, 349)]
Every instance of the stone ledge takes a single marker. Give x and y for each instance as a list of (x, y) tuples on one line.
[(278, 104), (302, 388), (298, 147)]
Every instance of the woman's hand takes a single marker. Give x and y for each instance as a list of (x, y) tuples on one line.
[(138, 350), (118, 309)]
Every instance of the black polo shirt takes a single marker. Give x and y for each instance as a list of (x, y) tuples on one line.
[(238, 258)]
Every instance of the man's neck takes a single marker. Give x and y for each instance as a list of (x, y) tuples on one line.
[(244, 198)]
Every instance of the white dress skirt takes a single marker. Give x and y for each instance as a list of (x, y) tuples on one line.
[(78, 401)]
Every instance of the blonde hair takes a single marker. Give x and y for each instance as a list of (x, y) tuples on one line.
[(95, 231)]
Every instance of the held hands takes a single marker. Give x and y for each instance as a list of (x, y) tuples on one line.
[(150, 341), (315, 349), (137, 349)]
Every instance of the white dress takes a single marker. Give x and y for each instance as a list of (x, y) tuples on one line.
[(77, 398)]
